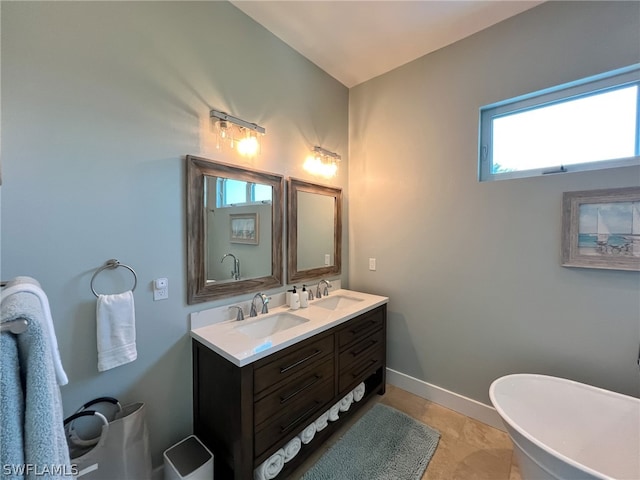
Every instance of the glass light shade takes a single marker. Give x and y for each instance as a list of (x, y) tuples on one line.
[(321, 165), (249, 146)]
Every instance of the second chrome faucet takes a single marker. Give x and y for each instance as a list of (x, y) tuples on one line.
[(265, 301), (325, 292)]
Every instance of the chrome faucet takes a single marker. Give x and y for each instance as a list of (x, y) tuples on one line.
[(240, 315), (310, 292), (264, 299), (325, 292), (235, 273)]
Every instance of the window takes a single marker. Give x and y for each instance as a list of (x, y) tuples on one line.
[(586, 125), (232, 192)]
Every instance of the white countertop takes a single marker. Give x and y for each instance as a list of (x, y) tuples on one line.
[(240, 349)]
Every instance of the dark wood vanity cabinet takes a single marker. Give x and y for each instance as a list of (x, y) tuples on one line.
[(245, 414)]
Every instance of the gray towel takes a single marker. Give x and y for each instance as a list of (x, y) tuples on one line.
[(45, 448)]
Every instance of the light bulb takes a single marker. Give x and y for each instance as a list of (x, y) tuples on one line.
[(248, 146)]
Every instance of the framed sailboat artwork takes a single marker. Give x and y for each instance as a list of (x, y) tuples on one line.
[(601, 229)]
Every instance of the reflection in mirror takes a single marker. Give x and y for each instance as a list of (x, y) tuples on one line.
[(238, 229), (314, 230), (234, 225)]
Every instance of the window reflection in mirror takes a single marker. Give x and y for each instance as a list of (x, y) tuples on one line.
[(238, 229), (234, 230), (314, 225)]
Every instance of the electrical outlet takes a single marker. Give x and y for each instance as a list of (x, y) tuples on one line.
[(327, 259), (372, 264), (161, 289)]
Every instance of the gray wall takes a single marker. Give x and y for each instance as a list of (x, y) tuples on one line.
[(473, 270), (100, 102)]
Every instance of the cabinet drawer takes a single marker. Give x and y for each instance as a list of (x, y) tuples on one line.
[(292, 391), (358, 351), (361, 327), (355, 373), (286, 364), (295, 417)]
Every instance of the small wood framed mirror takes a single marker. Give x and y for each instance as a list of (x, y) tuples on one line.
[(314, 230), (234, 230)]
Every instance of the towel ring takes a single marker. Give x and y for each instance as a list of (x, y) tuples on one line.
[(113, 263)]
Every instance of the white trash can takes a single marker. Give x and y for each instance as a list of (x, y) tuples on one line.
[(188, 459)]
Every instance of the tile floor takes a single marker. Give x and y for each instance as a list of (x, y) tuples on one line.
[(468, 449)]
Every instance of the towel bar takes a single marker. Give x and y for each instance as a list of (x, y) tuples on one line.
[(113, 263), (14, 326)]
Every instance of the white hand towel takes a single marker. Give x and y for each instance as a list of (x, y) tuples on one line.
[(116, 330), (321, 422), (346, 402), (31, 285), (358, 392), (333, 412), (308, 433), (271, 467), (292, 448)]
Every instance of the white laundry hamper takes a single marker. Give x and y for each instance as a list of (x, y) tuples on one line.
[(121, 448)]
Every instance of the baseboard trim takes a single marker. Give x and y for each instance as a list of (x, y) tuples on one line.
[(454, 401)]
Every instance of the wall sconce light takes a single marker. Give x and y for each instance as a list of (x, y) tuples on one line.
[(237, 133), (322, 162)]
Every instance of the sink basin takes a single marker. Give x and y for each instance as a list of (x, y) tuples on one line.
[(335, 302), (263, 327)]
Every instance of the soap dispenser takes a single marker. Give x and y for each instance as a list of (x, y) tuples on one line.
[(295, 299), (304, 297)]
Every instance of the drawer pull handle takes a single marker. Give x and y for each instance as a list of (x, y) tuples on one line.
[(299, 418), (361, 328), (355, 353), (362, 370), (293, 365), (301, 389)]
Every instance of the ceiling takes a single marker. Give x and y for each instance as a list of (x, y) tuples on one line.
[(355, 41)]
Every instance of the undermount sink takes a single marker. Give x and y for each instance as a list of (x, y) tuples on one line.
[(263, 327), (336, 302)]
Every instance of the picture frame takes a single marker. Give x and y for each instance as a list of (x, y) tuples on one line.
[(244, 228), (601, 229)]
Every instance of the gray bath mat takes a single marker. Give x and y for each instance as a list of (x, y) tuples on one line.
[(384, 444)]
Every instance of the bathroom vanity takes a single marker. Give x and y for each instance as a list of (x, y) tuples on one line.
[(253, 393)]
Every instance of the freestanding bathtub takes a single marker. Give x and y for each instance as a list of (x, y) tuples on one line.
[(564, 430)]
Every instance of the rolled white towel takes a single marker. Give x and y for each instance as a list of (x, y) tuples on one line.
[(346, 402), (308, 433), (321, 422), (271, 467), (358, 392), (291, 449), (333, 412)]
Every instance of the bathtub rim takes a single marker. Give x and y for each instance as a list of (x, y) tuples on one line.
[(506, 418)]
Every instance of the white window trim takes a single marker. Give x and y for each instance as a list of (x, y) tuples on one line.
[(606, 81)]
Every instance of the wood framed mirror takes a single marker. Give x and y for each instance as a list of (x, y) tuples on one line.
[(234, 230), (314, 230)]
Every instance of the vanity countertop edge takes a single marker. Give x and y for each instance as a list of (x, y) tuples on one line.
[(241, 350)]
